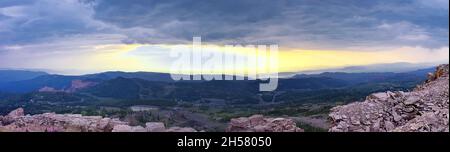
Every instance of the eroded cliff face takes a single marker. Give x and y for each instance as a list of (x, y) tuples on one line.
[(17, 121), (425, 109)]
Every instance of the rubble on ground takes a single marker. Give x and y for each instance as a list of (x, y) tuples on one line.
[(259, 123), (425, 109)]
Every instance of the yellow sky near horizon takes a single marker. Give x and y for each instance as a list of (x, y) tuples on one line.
[(123, 57), (156, 58)]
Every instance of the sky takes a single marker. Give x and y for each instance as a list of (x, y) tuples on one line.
[(86, 36)]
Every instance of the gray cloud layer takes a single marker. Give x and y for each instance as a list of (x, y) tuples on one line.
[(324, 24)]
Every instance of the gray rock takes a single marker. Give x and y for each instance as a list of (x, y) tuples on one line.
[(155, 127), (389, 125), (411, 100), (122, 128), (423, 109), (16, 113), (180, 129), (259, 123)]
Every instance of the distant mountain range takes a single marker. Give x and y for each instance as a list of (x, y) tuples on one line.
[(399, 67), (27, 81), (18, 75), (356, 78), (149, 76)]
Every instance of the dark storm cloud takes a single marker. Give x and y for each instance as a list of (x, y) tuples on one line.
[(182, 19), (319, 24), (25, 21), (331, 23)]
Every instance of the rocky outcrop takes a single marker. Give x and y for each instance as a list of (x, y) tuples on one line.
[(425, 109), (127, 128), (258, 123), (155, 127), (16, 113), (151, 127), (16, 121), (51, 122), (180, 129)]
